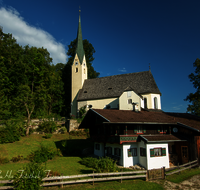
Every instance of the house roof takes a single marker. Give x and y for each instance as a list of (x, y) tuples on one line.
[(149, 117), (161, 138), (126, 116), (114, 86)]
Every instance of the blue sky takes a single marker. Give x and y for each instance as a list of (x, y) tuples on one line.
[(127, 36)]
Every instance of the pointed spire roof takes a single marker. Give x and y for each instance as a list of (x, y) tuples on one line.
[(79, 47)]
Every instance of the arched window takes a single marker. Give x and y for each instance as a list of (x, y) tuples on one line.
[(145, 103), (76, 70), (155, 103)]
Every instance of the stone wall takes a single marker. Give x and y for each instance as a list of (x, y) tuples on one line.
[(72, 125)]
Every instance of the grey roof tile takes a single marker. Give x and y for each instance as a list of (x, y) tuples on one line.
[(114, 86)]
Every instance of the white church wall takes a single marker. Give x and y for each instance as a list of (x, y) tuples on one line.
[(100, 103), (150, 101), (124, 103)]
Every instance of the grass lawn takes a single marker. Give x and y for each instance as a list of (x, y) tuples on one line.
[(68, 164), (112, 185), (186, 174)]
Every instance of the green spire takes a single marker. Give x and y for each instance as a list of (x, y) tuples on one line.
[(79, 48)]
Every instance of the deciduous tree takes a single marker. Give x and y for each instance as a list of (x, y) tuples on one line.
[(194, 98)]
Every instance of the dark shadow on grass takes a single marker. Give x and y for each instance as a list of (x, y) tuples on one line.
[(73, 147), (86, 171)]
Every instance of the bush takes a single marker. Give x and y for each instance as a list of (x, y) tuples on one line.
[(100, 165), (42, 154), (17, 158), (47, 127), (29, 177), (47, 135), (11, 131)]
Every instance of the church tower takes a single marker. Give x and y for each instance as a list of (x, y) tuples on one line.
[(78, 70)]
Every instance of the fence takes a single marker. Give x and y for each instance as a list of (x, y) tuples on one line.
[(94, 177)]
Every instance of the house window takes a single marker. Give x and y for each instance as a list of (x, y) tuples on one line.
[(155, 103), (117, 152), (129, 94), (109, 151), (156, 152), (142, 151), (129, 101), (145, 103), (132, 152), (162, 130), (97, 146), (140, 129)]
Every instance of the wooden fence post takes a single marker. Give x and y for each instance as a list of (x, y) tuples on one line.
[(147, 175), (93, 177), (163, 173), (61, 181), (121, 175)]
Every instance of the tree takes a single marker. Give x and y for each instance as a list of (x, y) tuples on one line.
[(194, 98), (89, 51), (29, 83)]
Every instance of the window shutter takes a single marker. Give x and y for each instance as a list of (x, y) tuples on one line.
[(152, 153), (163, 151), (135, 130), (144, 129)]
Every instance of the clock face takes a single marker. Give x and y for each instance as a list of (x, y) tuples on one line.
[(175, 130), (76, 63)]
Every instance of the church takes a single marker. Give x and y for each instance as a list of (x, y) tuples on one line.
[(125, 119), (131, 91)]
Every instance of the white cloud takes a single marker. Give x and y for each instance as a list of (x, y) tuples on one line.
[(12, 22), (122, 70)]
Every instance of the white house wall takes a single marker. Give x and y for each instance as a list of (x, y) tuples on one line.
[(116, 146), (100, 152), (157, 162), (129, 161), (142, 159)]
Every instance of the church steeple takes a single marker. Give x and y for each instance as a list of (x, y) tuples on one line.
[(79, 47), (79, 70)]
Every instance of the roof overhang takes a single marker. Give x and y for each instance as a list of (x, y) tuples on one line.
[(161, 141), (100, 115), (188, 127), (154, 123)]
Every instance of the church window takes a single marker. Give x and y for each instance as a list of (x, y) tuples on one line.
[(76, 70), (129, 94), (145, 103), (84, 71), (155, 103)]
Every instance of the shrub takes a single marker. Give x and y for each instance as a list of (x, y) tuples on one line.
[(47, 135), (100, 165), (30, 177), (17, 158), (11, 131), (47, 127), (42, 154), (106, 165)]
